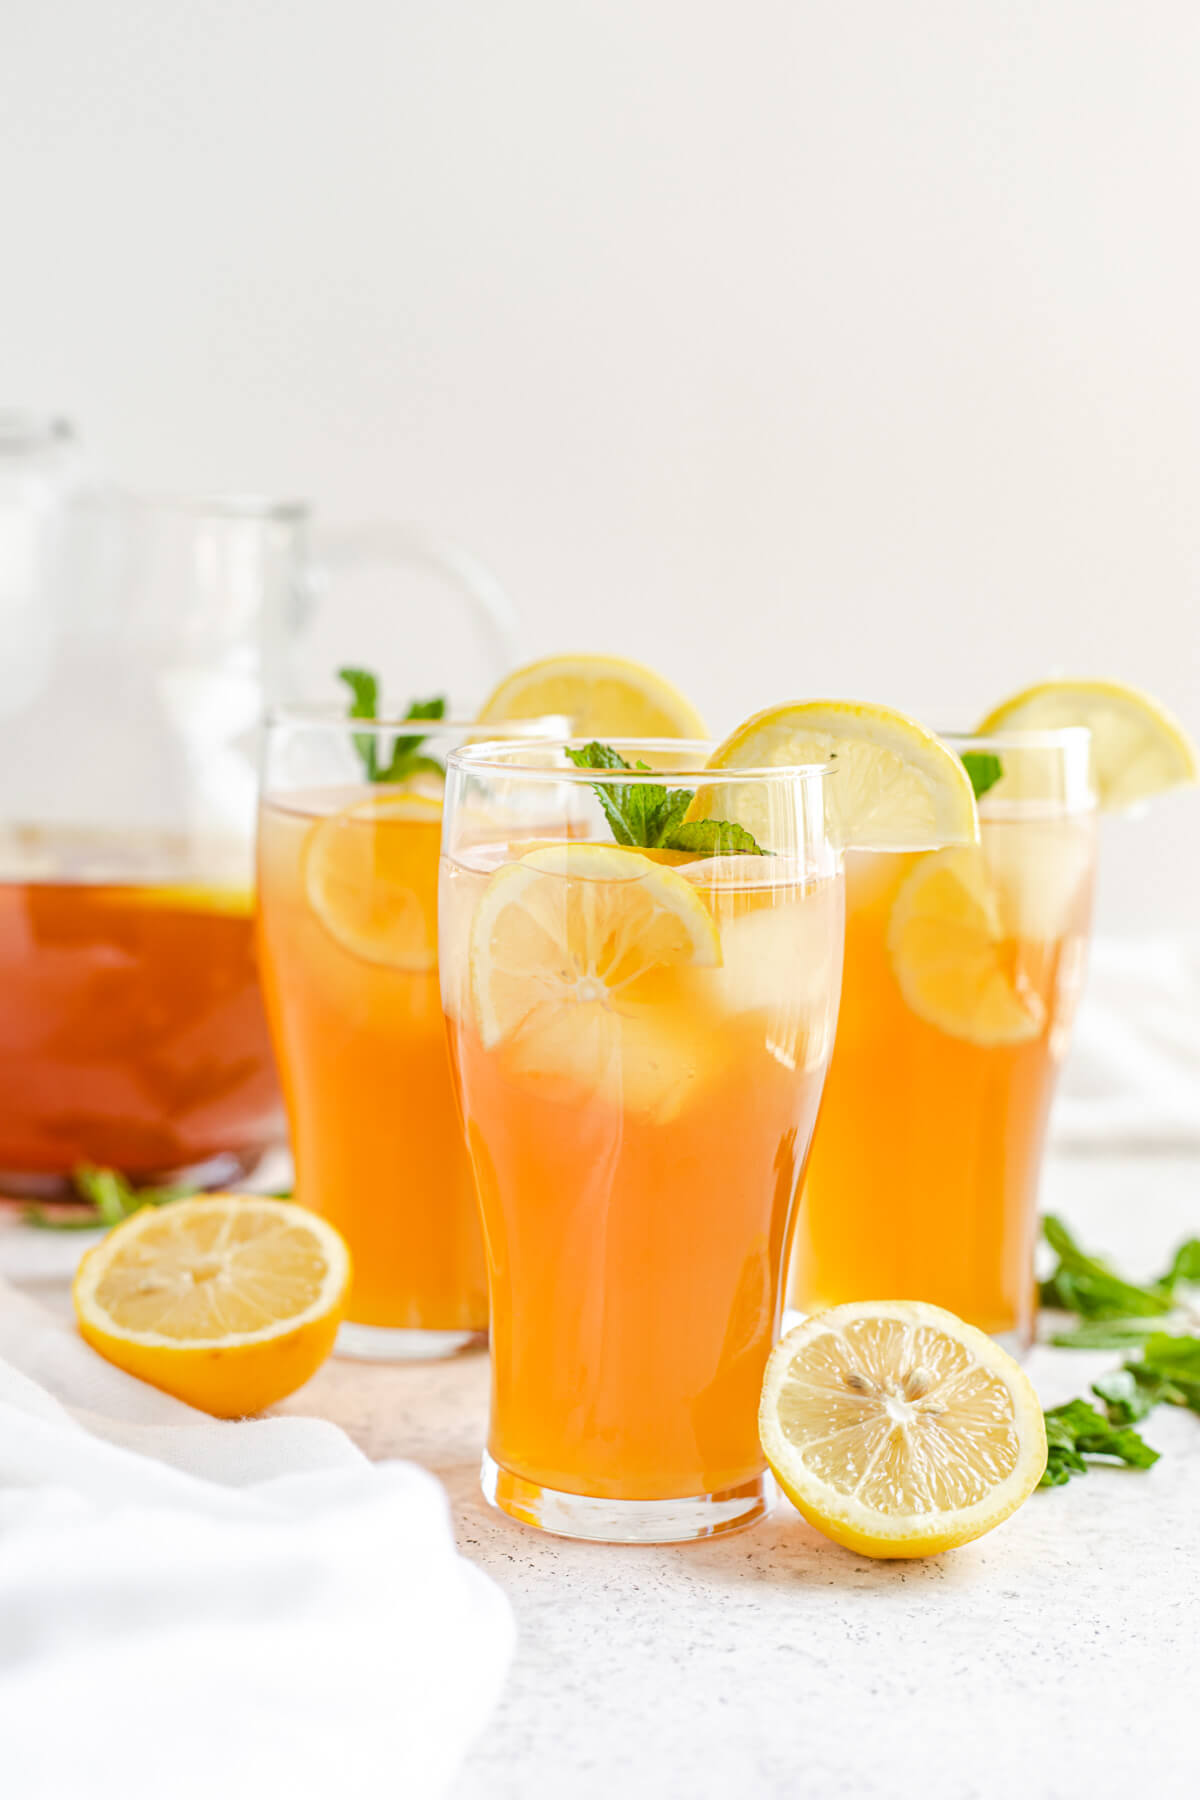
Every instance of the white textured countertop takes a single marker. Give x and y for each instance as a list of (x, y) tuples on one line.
[(1057, 1658), (1054, 1660)]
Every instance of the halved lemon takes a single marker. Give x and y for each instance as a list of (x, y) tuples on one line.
[(227, 1301), (955, 966), (898, 1430), (370, 875), (603, 696), (568, 949), (895, 785), (1139, 749)]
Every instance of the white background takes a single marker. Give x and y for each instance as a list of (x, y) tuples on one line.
[(794, 347)]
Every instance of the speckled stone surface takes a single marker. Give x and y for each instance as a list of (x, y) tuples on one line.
[(1057, 1659)]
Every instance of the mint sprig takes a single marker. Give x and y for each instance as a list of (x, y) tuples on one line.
[(983, 768), (1086, 1285), (646, 815), (111, 1198), (406, 757), (1161, 1368)]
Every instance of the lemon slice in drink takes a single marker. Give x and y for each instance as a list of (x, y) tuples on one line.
[(603, 696), (228, 1301), (1138, 748), (370, 876), (955, 968), (895, 785), (898, 1430), (566, 947)]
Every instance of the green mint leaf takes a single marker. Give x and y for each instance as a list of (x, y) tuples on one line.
[(715, 837), (364, 704), (1126, 1399), (1185, 1265), (647, 816), (111, 1195), (1104, 1334), (1076, 1431), (1083, 1284), (406, 758), (984, 770), (1173, 1363)]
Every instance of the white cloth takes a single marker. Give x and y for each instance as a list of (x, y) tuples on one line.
[(1132, 1078), (191, 1608)]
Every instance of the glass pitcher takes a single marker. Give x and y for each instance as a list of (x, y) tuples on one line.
[(144, 638)]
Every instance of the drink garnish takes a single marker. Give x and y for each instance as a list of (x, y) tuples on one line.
[(1116, 1314), (110, 1198), (407, 758), (1087, 1286), (646, 816), (984, 768)]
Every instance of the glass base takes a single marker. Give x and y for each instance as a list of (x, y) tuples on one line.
[(622, 1521), (383, 1343)]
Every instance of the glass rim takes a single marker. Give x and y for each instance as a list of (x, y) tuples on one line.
[(319, 715), (475, 759), (1051, 737)]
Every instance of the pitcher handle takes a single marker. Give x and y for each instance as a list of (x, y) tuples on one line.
[(383, 544)]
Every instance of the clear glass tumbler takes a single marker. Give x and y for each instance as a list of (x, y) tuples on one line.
[(640, 1038), (963, 968), (347, 900)]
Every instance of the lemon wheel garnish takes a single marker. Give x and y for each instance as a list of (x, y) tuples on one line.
[(228, 1301), (372, 880), (602, 696), (564, 945), (955, 967), (1138, 748), (894, 786), (898, 1430)]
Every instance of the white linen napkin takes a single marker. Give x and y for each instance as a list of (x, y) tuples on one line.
[(1132, 1078), (190, 1607)]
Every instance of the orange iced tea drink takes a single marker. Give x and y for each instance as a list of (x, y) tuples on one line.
[(640, 1039), (348, 903), (132, 1031), (963, 967)]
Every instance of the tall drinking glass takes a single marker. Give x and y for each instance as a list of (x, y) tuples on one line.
[(347, 886), (640, 1040), (963, 968)]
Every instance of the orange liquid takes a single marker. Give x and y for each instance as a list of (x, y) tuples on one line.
[(366, 1080), (132, 1034), (636, 1251), (922, 1184)]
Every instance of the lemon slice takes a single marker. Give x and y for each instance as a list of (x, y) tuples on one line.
[(603, 696), (897, 1429), (370, 875), (955, 967), (895, 785), (566, 947), (229, 1301), (1138, 748)]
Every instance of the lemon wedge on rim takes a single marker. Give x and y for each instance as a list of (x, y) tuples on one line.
[(898, 1430), (602, 696), (1138, 748), (227, 1301), (895, 785)]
